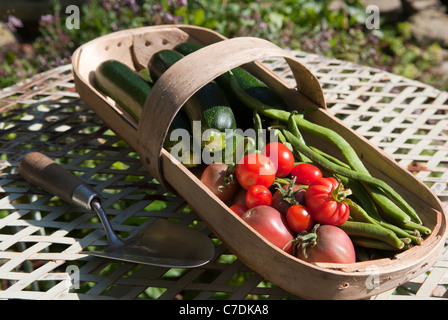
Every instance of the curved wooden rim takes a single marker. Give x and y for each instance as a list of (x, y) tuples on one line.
[(191, 73)]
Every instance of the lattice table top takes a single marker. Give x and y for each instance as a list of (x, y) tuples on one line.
[(41, 237)]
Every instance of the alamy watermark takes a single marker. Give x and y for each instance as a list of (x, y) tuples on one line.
[(373, 20), (73, 20), (373, 280), (73, 272)]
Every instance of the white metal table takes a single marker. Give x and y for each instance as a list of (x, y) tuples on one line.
[(41, 237)]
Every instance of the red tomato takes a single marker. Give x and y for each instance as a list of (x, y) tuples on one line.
[(299, 219), (214, 178), (255, 169), (258, 195), (324, 200), (272, 225), (282, 200), (239, 209), (305, 173), (281, 156), (331, 245)]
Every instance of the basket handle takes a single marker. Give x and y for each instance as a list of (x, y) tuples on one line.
[(190, 74)]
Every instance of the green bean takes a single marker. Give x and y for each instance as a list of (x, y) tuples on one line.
[(364, 198), (258, 131), (401, 233), (300, 156), (373, 244), (296, 143), (283, 115), (287, 181), (329, 157), (377, 194), (395, 212), (410, 225), (413, 232), (372, 231), (346, 149), (278, 133), (388, 206), (360, 215)]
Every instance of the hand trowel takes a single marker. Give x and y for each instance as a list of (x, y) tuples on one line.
[(160, 243)]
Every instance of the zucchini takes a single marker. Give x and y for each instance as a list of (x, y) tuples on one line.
[(188, 47), (127, 88), (208, 105), (249, 83), (256, 88), (123, 85)]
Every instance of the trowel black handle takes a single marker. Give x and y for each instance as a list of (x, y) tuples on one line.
[(43, 172)]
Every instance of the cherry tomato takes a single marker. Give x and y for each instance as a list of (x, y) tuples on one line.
[(299, 219), (272, 225), (331, 245), (282, 200), (239, 209), (258, 195), (214, 178), (305, 173), (255, 169), (324, 198), (281, 156)]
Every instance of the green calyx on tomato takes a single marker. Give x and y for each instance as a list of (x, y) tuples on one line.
[(305, 239), (340, 193), (288, 194), (229, 176), (214, 178)]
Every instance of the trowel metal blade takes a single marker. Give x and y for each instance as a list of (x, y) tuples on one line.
[(163, 243)]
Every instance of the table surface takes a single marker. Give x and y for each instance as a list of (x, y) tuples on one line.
[(41, 237)]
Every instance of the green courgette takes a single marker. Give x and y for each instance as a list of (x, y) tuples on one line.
[(209, 105), (249, 83), (188, 47), (127, 88), (123, 85)]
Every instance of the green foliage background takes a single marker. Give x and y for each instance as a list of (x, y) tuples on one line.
[(298, 24)]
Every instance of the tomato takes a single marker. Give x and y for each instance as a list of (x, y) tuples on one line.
[(214, 177), (324, 198), (272, 225), (255, 169), (282, 200), (281, 156), (299, 219), (258, 195), (305, 173), (239, 209), (328, 244)]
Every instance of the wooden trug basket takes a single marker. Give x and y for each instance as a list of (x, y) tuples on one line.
[(135, 47)]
